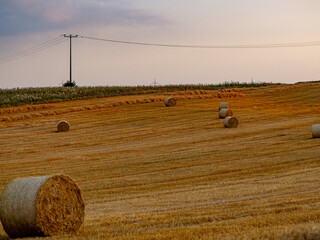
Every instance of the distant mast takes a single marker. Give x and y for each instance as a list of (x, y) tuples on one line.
[(155, 83)]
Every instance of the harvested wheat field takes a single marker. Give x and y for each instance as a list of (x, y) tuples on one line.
[(147, 171)]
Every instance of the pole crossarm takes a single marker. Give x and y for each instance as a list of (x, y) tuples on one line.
[(70, 35)]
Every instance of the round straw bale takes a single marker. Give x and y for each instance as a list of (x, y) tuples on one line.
[(230, 122), (63, 126), (170, 102), (316, 131), (223, 113), (223, 105), (41, 206)]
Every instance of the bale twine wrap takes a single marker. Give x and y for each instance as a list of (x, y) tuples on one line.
[(170, 102), (223, 113), (41, 206), (316, 131), (230, 122), (63, 126), (223, 105)]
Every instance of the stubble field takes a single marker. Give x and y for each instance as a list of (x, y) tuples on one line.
[(153, 172)]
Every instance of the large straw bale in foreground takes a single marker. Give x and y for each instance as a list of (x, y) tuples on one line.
[(302, 232), (223, 113), (223, 105), (63, 126), (170, 102), (41, 206), (316, 131), (230, 122)]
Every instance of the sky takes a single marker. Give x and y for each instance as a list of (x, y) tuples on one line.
[(33, 52)]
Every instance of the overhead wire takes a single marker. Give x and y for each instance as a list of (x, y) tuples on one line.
[(265, 45), (37, 48), (58, 40)]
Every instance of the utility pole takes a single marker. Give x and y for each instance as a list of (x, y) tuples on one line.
[(70, 36)]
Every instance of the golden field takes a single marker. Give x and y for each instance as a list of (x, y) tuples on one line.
[(153, 172)]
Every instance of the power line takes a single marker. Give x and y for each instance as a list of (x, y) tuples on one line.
[(32, 50), (265, 45), (60, 39)]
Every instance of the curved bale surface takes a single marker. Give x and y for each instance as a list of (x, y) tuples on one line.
[(223, 105), (230, 122), (41, 206), (316, 131), (170, 102), (223, 113), (63, 126)]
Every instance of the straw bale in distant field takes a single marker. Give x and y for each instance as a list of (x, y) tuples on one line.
[(316, 131), (63, 126), (223, 105), (223, 113), (230, 122), (170, 102), (41, 206)]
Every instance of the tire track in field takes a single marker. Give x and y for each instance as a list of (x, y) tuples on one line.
[(205, 203), (214, 163), (205, 178)]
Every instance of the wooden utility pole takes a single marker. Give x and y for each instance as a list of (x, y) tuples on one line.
[(70, 36)]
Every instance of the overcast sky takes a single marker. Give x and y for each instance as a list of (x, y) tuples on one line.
[(29, 23)]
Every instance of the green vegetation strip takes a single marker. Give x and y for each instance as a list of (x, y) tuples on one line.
[(21, 96)]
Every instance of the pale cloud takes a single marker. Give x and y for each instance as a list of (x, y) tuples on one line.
[(28, 16)]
